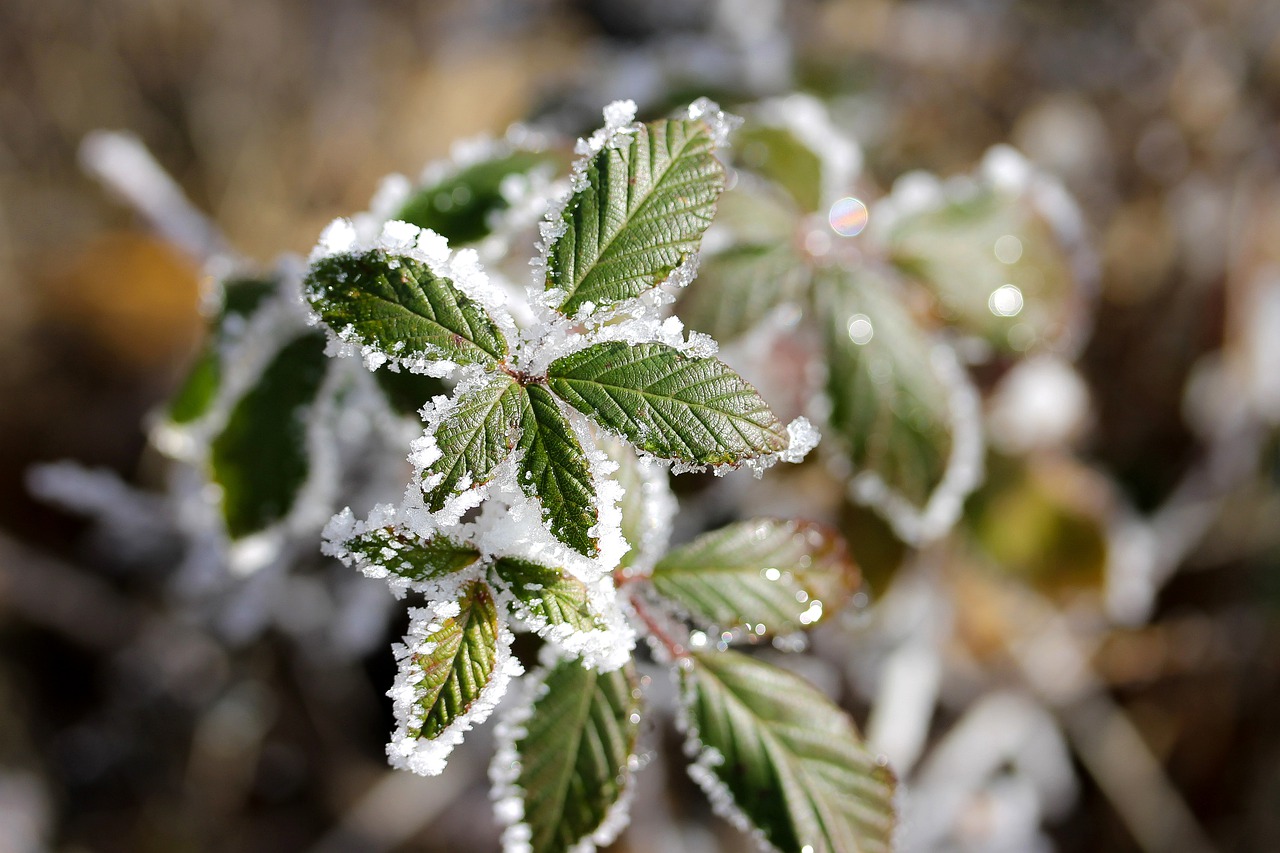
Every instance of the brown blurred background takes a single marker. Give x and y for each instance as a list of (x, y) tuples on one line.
[(276, 117)]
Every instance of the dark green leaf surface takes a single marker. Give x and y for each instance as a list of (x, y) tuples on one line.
[(692, 409), (459, 207), (407, 392), (793, 762), (461, 662), (736, 289), (888, 406), (574, 757), (642, 213), (410, 557), (260, 458), (554, 471), (390, 299), (241, 299), (782, 575), (547, 593), (474, 438)]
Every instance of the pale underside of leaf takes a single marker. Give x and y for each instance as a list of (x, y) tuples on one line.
[(547, 593), (888, 405), (410, 557), (696, 410), (792, 761), (778, 575), (574, 756), (474, 438), (398, 305), (640, 216), (554, 471), (461, 663)]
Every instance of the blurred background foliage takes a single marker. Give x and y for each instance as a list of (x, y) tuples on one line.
[(126, 725)]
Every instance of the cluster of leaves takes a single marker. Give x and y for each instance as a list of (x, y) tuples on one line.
[(899, 292)]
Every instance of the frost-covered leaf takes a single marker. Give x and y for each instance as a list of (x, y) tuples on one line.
[(241, 299), (409, 557), (995, 266), (647, 504), (778, 756), (554, 471), (454, 665), (397, 305), (640, 215), (260, 459), (777, 154), (737, 288), (770, 574), (459, 206), (574, 750), (697, 410), (546, 595), (407, 392), (476, 435), (888, 404)]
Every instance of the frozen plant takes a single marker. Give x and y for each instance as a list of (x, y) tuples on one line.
[(538, 502)]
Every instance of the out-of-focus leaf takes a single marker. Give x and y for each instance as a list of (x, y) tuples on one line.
[(407, 392), (888, 405), (737, 288), (261, 457), (459, 207), (789, 760), (771, 575), (778, 155)]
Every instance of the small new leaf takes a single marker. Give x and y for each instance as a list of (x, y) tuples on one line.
[(696, 410), (473, 439), (546, 596), (781, 576), (554, 471), (260, 459), (790, 761), (574, 756), (399, 306), (639, 217)]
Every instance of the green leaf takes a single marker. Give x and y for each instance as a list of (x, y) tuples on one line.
[(888, 405), (954, 251), (455, 664), (260, 459), (474, 438), (736, 289), (398, 305), (782, 575), (407, 392), (641, 214), (668, 404), (241, 299), (547, 594), (410, 557), (646, 501), (554, 471), (778, 155), (792, 762), (575, 753), (459, 208)]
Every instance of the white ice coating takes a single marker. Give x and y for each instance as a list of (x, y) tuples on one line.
[(401, 239), (428, 757), (964, 471)]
